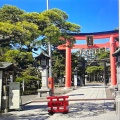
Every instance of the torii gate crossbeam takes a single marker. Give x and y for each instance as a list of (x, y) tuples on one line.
[(84, 46)]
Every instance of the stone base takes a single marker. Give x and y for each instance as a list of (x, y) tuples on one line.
[(117, 100), (112, 90), (117, 93), (44, 92), (68, 88)]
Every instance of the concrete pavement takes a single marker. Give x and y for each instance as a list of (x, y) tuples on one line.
[(78, 110), (57, 91)]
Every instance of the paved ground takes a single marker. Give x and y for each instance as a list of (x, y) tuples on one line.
[(78, 110), (57, 91)]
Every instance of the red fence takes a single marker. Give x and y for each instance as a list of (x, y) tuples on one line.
[(58, 104)]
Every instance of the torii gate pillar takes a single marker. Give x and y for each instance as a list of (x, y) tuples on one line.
[(113, 61), (68, 66)]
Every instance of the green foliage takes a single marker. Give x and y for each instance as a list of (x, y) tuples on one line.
[(6, 28), (51, 33), (99, 56), (28, 75), (103, 55), (54, 16), (29, 71), (62, 14), (11, 13), (58, 27), (37, 18), (71, 27), (30, 78), (14, 26), (58, 60), (19, 79), (24, 28), (21, 59), (19, 33), (74, 60), (78, 63), (94, 69), (26, 32), (11, 55), (30, 17)]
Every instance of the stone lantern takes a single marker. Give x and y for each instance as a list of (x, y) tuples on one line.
[(43, 58)]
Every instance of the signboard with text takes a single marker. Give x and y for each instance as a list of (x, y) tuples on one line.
[(89, 40)]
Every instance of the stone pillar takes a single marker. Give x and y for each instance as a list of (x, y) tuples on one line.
[(86, 76), (117, 99), (104, 73), (44, 91), (44, 78), (1, 73), (75, 80), (23, 85), (118, 74)]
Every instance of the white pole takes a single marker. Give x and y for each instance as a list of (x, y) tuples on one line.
[(49, 50), (47, 4), (23, 85)]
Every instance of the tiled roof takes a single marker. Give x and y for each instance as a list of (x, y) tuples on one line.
[(95, 33), (116, 53), (5, 65)]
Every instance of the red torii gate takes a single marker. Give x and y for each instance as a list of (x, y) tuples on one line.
[(96, 35)]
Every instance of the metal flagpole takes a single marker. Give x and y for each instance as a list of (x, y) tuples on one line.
[(49, 49), (47, 4), (50, 79)]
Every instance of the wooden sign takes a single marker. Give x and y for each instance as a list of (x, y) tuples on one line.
[(89, 40)]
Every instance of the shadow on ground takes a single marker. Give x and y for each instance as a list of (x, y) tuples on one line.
[(40, 113), (33, 107), (88, 109), (75, 94), (99, 87), (95, 84), (76, 110)]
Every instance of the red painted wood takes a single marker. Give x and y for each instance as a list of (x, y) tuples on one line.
[(84, 46), (68, 66), (98, 36), (112, 61)]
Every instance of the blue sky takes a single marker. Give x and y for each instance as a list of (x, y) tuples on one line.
[(91, 15)]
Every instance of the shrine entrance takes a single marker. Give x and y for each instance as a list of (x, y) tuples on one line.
[(112, 44)]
